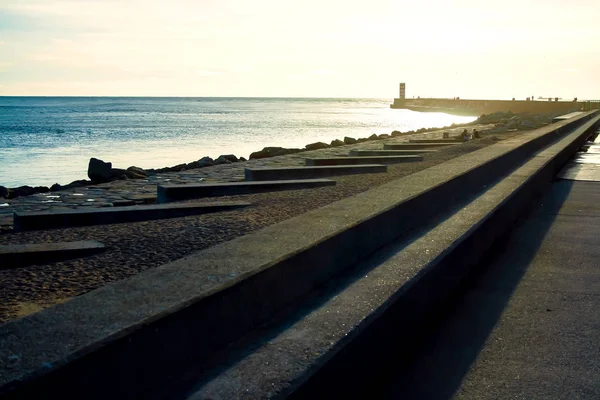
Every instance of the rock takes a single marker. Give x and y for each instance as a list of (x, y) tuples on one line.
[(476, 134), (242, 159), (229, 157), (336, 143), (99, 171), (349, 140), (76, 184), (117, 173), (446, 135), (272, 152), (222, 160), (3, 192), (22, 191), (205, 162), (56, 187), (362, 140), (527, 124), (373, 137), (384, 136), (137, 170), (396, 133), (316, 146)]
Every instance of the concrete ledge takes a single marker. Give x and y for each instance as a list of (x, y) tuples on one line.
[(267, 174), (141, 332), (434, 141), (412, 146), (401, 286), (27, 221), (363, 160), (168, 193), (20, 255), (567, 116), (369, 153)]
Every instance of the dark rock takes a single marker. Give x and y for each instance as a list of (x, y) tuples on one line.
[(316, 146), (222, 160), (446, 135), (336, 143), (205, 162), (137, 170), (118, 172), (476, 134), (99, 171), (362, 140), (373, 137), (22, 191), (3, 192), (192, 165), (384, 136), (76, 184), (421, 130), (242, 159), (349, 140), (272, 152), (56, 187), (396, 133), (229, 157)]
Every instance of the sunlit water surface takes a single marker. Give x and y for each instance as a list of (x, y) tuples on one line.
[(50, 140)]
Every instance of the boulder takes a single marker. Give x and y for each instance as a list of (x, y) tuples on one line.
[(316, 146), (336, 143), (22, 191), (3, 192), (117, 173), (137, 170), (242, 159), (384, 136), (229, 157), (272, 152), (205, 162), (373, 137), (349, 140), (99, 171), (396, 133), (222, 160)]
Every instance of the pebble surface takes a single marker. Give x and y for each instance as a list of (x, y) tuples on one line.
[(135, 247)]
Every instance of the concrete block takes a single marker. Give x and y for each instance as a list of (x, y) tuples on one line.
[(168, 193), (363, 160), (377, 153), (20, 255), (267, 174), (412, 146), (446, 140), (27, 221)]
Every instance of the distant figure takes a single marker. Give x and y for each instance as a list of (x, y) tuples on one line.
[(458, 98), (527, 99), (575, 99), (556, 99), (513, 99), (532, 98), (476, 134)]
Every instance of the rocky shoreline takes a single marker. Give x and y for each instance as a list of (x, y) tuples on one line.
[(103, 172)]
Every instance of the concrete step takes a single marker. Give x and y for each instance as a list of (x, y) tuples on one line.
[(412, 146), (168, 193), (363, 160), (20, 255), (27, 221), (267, 174), (369, 153), (448, 140), (145, 331)]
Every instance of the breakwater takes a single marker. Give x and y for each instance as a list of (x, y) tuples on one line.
[(478, 107)]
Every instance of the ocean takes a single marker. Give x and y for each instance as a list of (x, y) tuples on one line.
[(47, 140)]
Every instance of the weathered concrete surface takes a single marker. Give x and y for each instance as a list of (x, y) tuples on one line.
[(25, 221), (231, 287), (529, 327), (336, 347), (365, 153), (363, 160), (18, 255), (452, 140), (413, 146), (168, 193), (268, 174), (567, 116)]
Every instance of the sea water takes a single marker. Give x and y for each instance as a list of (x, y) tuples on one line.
[(46, 140)]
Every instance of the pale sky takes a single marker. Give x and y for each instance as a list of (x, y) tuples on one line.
[(308, 48)]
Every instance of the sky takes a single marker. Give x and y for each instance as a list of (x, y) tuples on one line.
[(309, 48)]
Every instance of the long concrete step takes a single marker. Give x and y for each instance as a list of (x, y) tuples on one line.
[(268, 174), (369, 153), (412, 146), (20, 255), (27, 221), (347, 333), (169, 321), (363, 160), (168, 193), (449, 140)]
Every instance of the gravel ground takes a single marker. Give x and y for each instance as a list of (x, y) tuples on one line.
[(135, 247)]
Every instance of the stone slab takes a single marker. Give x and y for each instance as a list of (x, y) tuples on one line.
[(434, 141), (111, 334), (363, 160), (567, 116), (412, 146), (27, 221), (267, 174), (369, 153), (19, 255), (169, 193)]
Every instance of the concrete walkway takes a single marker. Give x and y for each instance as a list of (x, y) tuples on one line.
[(530, 327)]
